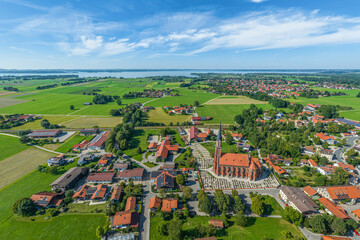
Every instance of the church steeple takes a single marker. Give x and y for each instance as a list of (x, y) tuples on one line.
[(217, 154), (219, 138)]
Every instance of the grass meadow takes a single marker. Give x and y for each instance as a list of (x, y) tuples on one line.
[(140, 140), (68, 145), (10, 146), (269, 227), (158, 115)]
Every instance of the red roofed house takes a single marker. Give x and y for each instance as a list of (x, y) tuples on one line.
[(169, 204), (344, 192), (48, 199), (325, 138), (130, 203), (193, 133), (310, 191), (166, 148), (152, 146), (332, 209), (125, 219), (217, 223), (98, 142), (356, 212), (313, 163), (116, 194), (81, 146), (235, 165), (134, 174), (279, 170), (202, 136), (102, 177), (154, 204), (101, 193), (105, 160)]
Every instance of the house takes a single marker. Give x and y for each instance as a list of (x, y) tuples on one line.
[(311, 192), (81, 146), (193, 133), (116, 194), (169, 204), (69, 179), (102, 177), (332, 209), (326, 170), (311, 107), (309, 150), (168, 166), (325, 138), (152, 147), (57, 161), (296, 198), (346, 135), (343, 192), (181, 131), (105, 160), (237, 137), (47, 199), (313, 163), (304, 162), (202, 136), (101, 193), (155, 203), (86, 158), (356, 212), (84, 192), (120, 166), (279, 170), (134, 174), (89, 131), (244, 146), (347, 167), (165, 180), (125, 219), (130, 203), (98, 142), (217, 223), (45, 134), (328, 153), (165, 149)]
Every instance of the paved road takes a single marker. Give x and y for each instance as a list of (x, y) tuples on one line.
[(339, 153)]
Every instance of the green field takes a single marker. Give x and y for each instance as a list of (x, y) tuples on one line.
[(158, 115), (67, 226), (258, 228), (76, 139), (10, 146), (140, 140)]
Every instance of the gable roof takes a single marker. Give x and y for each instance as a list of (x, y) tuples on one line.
[(130, 203), (357, 212), (310, 191), (165, 180), (126, 218), (102, 176), (100, 191), (218, 223), (132, 173), (116, 194), (336, 210), (81, 191), (344, 192), (168, 204), (154, 202), (334, 238), (302, 201)]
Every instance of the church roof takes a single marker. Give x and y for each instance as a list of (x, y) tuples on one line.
[(234, 159)]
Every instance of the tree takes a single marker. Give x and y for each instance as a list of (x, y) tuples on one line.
[(340, 177), (325, 145), (239, 119), (180, 180), (196, 103), (26, 207), (352, 224), (240, 219), (206, 206), (162, 228), (238, 204), (118, 101), (187, 193), (234, 193), (292, 216), (323, 161), (358, 95), (72, 107), (162, 193), (138, 150), (222, 200), (24, 139), (100, 231), (45, 123), (201, 196), (318, 224), (257, 206), (228, 138), (175, 229), (338, 226)]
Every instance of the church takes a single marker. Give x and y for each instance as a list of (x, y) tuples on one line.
[(234, 164)]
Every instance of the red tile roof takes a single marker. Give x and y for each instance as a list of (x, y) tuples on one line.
[(310, 191), (218, 223), (165, 147), (323, 237), (357, 212), (279, 170), (152, 145), (324, 137), (126, 218), (116, 194), (168, 204), (154, 202), (130, 203), (336, 210), (313, 163), (103, 176), (100, 191), (136, 172), (344, 192)]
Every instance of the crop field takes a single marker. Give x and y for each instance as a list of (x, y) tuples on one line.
[(53, 119), (225, 113), (234, 100), (20, 164), (89, 122), (25, 187), (64, 226), (10, 146), (158, 115), (10, 101)]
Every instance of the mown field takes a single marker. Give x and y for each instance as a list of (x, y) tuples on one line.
[(158, 115), (76, 139), (53, 119), (258, 228), (20, 164), (140, 140), (10, 146), (230, 100), (90, 122)]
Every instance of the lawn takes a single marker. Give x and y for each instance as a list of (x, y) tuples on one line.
[(10, 146), (24, 187), (158, 115), (272, 207), (90, 122), (64, 226), (226, 148), (258, 228), (225, 113), (21, 164), (150, 164), (140, 140), (68, 145)]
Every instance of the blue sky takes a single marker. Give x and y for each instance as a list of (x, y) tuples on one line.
[(237, 34)]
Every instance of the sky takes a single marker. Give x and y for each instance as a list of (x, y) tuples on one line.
[(186, 34)]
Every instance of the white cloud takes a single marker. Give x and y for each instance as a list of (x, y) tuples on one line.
[(257, 1)]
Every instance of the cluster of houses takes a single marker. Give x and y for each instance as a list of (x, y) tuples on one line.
[(196, 135), (199, 120), (178, 109), (303, 200), (97, 143), (164, 149)]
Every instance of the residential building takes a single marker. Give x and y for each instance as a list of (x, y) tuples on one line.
[(134, 174), (165, 149), (309, 150), (311, 192), (101, 193), (69, 179), (102, 177), (125, 219), (105, 160), (81, 146), (332, 209), (193, 133), (325, 138), (98, 142), (165, 180), (217, 223), (328, 153), (48, 199), (86, 158), (296, 198), (84, 192), (57, 161), (152, 147), (343, 192), (168, 166), (155, 203), (116, 194), (120, 166), (169, 204), (130, 203)]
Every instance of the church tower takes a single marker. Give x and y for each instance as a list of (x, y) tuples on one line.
[(217, 153)]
